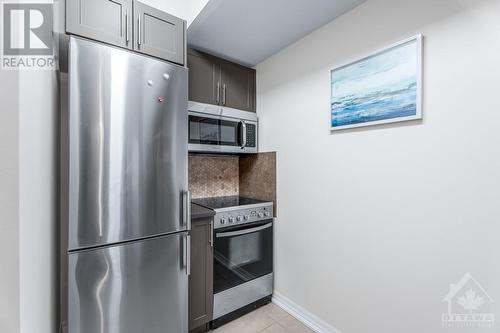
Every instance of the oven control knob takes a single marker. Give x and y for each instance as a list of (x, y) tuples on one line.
[(268, 214), (261, 215), (231, 219), (239, 218), (222, 221), (246, 217)]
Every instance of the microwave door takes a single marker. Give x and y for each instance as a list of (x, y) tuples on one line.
[(214, 134), (229, 133), (203, 130)]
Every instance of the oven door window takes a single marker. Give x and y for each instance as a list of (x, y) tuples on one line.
[(242, 254)]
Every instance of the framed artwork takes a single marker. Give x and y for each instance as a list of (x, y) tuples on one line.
[(384, 87)]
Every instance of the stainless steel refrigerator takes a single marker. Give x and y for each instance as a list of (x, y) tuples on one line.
[(128, 208)]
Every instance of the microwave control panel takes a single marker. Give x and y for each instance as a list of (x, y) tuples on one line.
[(251, 136)]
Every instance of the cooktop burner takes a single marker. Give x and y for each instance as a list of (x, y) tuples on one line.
[(227, 202)]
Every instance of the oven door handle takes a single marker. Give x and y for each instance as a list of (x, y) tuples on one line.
[(243, 232)]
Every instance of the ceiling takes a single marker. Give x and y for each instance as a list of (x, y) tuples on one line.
[(249, 31)]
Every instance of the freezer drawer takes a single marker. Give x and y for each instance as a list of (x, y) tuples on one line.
[(136, 287), (127, 146)]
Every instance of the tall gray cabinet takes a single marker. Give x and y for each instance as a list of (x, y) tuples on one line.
[(129, 24), (217, 81)]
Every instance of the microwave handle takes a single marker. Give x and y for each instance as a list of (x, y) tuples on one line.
[(243, 134)]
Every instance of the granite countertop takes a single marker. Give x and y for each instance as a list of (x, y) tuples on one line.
[(199, 212)]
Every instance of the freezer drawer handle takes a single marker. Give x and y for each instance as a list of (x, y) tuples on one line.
[(186, 254)]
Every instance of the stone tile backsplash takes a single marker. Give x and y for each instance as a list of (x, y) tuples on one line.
[(258, 177), (213, 176)]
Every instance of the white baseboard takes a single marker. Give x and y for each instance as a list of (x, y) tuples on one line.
[(313, 322)]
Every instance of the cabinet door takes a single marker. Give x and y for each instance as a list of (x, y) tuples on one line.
[(204, 78), (201, 278), (158, 34), (109, 21), (238, 86)]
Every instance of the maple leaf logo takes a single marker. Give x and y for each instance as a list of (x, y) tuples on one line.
[(470, 301)]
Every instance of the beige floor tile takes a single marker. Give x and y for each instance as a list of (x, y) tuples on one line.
[(274, 311), (292, 325), (275, 328), (254, 322), (266, 319)]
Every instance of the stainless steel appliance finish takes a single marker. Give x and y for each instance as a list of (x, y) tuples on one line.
[(231, 299), (128, 138), (235, 210), (128, 215), (217, 129), (243, 251), (130, 288)]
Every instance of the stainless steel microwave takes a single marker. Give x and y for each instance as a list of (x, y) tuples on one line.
[(216, 129)]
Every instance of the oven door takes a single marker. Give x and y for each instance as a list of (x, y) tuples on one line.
[(210, 133), (242, 253)]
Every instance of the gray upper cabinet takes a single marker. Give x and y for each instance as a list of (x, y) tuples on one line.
[(109, 21), (204, 78), (129, 24), (238, 86), (216, 81), (158, 34)]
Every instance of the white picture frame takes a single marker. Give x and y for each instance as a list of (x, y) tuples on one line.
[(364, 105)]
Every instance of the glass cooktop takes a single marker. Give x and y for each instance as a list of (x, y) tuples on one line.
[(226, 202)]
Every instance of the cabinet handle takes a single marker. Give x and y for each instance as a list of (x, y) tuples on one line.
[(126, 27), (139, 30), (217, 98), (224, 94), (211, 236)]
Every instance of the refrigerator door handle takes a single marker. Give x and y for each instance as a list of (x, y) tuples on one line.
[(186, 213)]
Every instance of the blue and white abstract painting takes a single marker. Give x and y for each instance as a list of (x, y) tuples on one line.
[(382, 88)]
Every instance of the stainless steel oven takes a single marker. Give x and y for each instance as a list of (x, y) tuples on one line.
[(243, 266), (216, 129), (243, 253)]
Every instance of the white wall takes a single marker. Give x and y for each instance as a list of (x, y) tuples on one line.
[(29, 174), (9, 202), (38, 176), (375, 223), (9, 199)]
